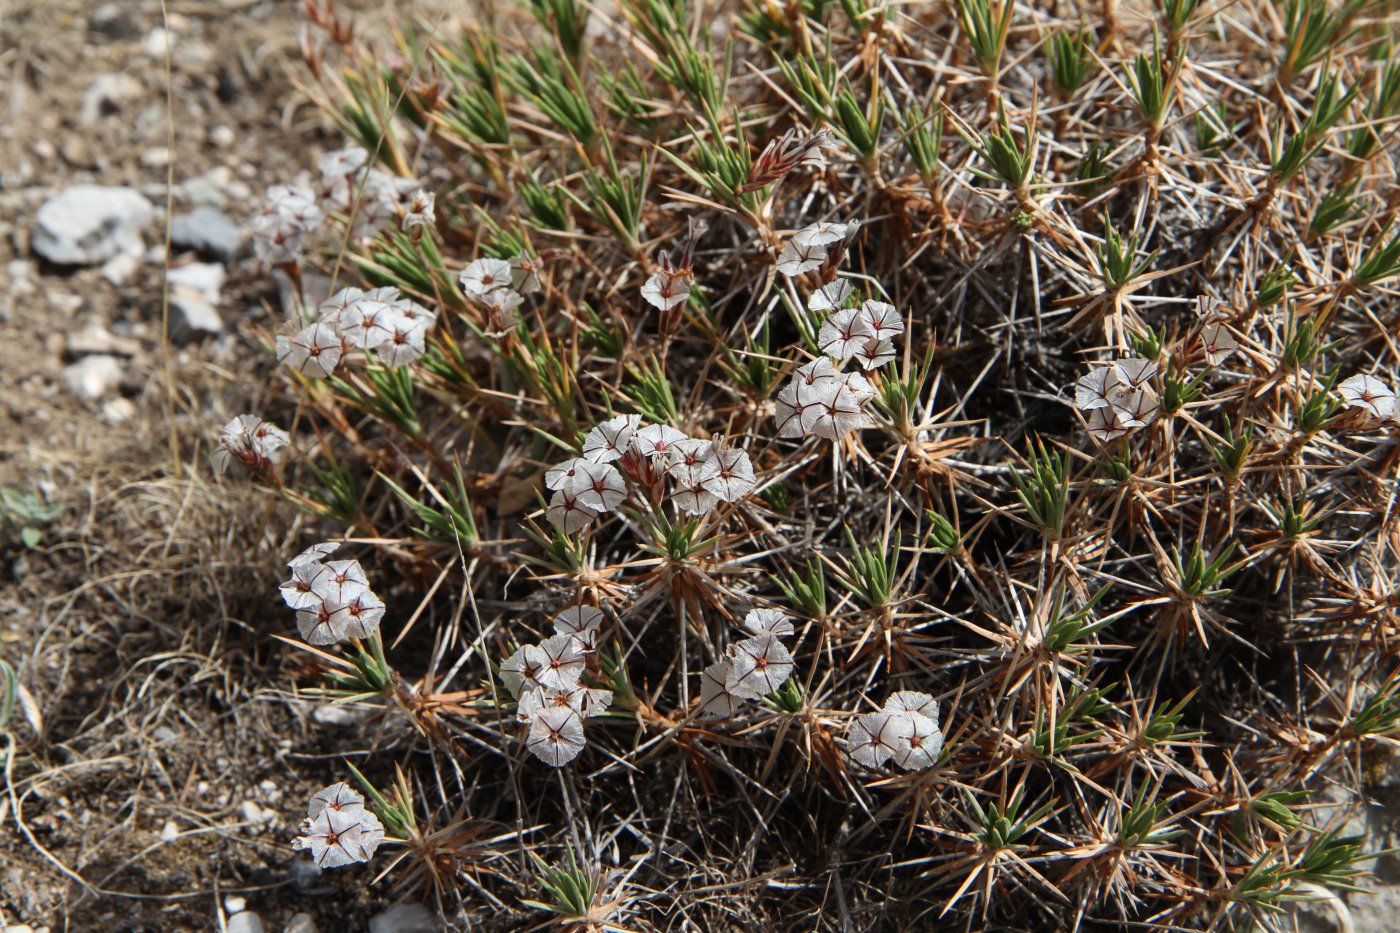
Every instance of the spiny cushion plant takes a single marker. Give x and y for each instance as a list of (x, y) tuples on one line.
[(944, 452)]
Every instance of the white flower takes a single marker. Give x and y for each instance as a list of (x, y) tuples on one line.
[(797, 258), (874, 353), (1137, 408), (843, 334), (581, 623), (915, 719), (798, 406), (693, 499), (368, 322), (343, 162), (332, 310), (339, 796), (314, 351), (587, 702), (1105, 425), (608, 441), (1135, 371), (339, 835), (358, 618), (684, 458), (717, 701), (857, 385), (403, 345), (830, 297), (556, 735), (758, 666), (420, 212), (563, 663), (655, 440), (839, 412), (882, 318), (667, 289), (1218, 343), (340, 581), (250, 440), (599, 487), (525, 273), (1368, 394), (483, 276), (874, 738), (727, 475), (297, 591), (817, 371), (1095, 390), (567, 514), (1211, 310), (768, 622), (316, 625), (561, 475), (521, 671)]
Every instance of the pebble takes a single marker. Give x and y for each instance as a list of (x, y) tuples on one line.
[(94, 340), (107, 94), (112, 21), (118, 410), (192, 316), (204, 278), (245, 922), (156, 157), (208, 232), (223, 136), (89, 224), (120, 268), (301, 923), (158, 42), (170, 831), (93, 376), (233, 904), (405, 918)]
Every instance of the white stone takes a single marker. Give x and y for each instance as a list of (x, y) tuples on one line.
[(88, 224), (233, 904), (245, 922), (301, 923), (405, 918), (107, 95), (93, 376), (120, 268), (205, 279)]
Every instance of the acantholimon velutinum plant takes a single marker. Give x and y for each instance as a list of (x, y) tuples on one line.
[(842, 466)]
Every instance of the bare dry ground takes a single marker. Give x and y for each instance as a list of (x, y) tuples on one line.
[(151, 771)]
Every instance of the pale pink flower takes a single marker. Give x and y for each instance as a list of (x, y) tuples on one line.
[(717, 701), (839, 412), (874, 738), (1368, 394), (568, 514), (599, 487), (728, 475), (882, 319), (830, 297), (1218, 343), (874, 353), (562, 664), (768, 622), (655, 440), (337, 837), (843, 334)]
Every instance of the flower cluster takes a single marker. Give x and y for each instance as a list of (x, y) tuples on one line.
[(821, 399), (702, 473), (289, 213), (378, 199), (374, 198), (753, 667), (380, 319), (338, 829), (499, 286), (1371, 396), (1118, 399), (819, 248), (669, 287), (332, 598), (905, 730), (251, 441), (546, 681)]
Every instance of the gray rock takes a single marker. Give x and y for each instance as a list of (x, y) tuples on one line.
[(93, 376), (107, 95), (245, 922), (301, 923), (405, 918), (207, 232), (192, 316), (1375, 910), (305, 873), (88, 224)]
